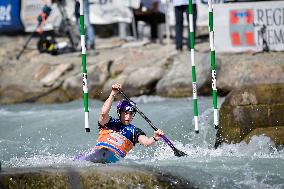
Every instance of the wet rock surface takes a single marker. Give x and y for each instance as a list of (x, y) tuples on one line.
[(109, 176), (252, 110)]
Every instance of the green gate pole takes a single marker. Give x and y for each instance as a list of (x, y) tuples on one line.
[(84, 67), (213, 65), (194, 88)]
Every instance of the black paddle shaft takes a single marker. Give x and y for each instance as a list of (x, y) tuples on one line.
[(176, 151), (141, 113)]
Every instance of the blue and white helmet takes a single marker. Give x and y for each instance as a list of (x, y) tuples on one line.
[(125, 106)]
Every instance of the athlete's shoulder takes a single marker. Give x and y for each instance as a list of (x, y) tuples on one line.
[(139, 131)]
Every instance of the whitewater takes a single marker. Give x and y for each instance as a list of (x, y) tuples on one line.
[(37, 135)]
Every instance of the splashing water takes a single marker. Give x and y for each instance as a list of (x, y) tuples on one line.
[(33, 135)]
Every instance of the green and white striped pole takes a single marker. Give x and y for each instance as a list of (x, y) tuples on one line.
[(194, 88), (213, 65), (84, 67)]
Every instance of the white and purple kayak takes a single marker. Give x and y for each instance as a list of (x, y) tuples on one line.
[(102, 155)]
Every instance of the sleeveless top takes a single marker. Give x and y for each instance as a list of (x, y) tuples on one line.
[(117, 137)]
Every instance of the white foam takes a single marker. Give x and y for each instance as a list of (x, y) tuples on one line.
[(44, 161), (148, 99)]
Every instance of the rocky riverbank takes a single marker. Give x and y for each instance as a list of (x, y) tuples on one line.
[(141, 67)]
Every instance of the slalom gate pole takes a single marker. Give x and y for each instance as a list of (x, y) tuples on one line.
[(84, 67), (194, 88), (213, 65)]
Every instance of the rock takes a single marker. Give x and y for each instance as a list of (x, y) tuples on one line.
[(13, 94), (42, 72), (104, 93), (108, 177), (141, 70), (73, 86), (1, 69), (117, 66), (239, 70), (18, 94), (115, 43), (178, 81), (52, 77), (97, 76), (57, 95), (143, 81), (250, 110), (136, 44), (275, 133)]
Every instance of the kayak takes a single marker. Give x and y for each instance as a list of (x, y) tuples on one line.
[(102, 155)]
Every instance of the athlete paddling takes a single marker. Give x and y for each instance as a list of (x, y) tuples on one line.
[(118, 136)]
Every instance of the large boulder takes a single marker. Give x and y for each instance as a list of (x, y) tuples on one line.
[(118, 66), (177, 82), (55, 95), (143, 80), (108, 177), (252, 110), (138, 71), (105, 92), (237, 70), (275, 133), (97, 76), (55, 75), (13, 94)]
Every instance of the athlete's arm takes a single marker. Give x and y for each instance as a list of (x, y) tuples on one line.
[(144, 140), (104, 115)]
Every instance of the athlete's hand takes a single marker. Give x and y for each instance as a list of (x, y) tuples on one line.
[(158, 134), (114, 88)]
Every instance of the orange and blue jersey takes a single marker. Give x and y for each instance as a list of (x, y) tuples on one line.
[(117, 137)]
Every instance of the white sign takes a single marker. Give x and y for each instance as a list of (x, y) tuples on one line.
[(111, 11), (249, 26), (202, 12)]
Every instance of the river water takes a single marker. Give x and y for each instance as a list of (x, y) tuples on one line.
[(34, 135)]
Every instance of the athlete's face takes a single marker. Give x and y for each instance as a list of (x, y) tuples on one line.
[(126, 117)]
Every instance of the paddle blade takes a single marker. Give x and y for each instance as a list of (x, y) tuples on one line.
[(179, 153)]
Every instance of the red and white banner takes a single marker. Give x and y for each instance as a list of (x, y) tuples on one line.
[(249, 26)]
